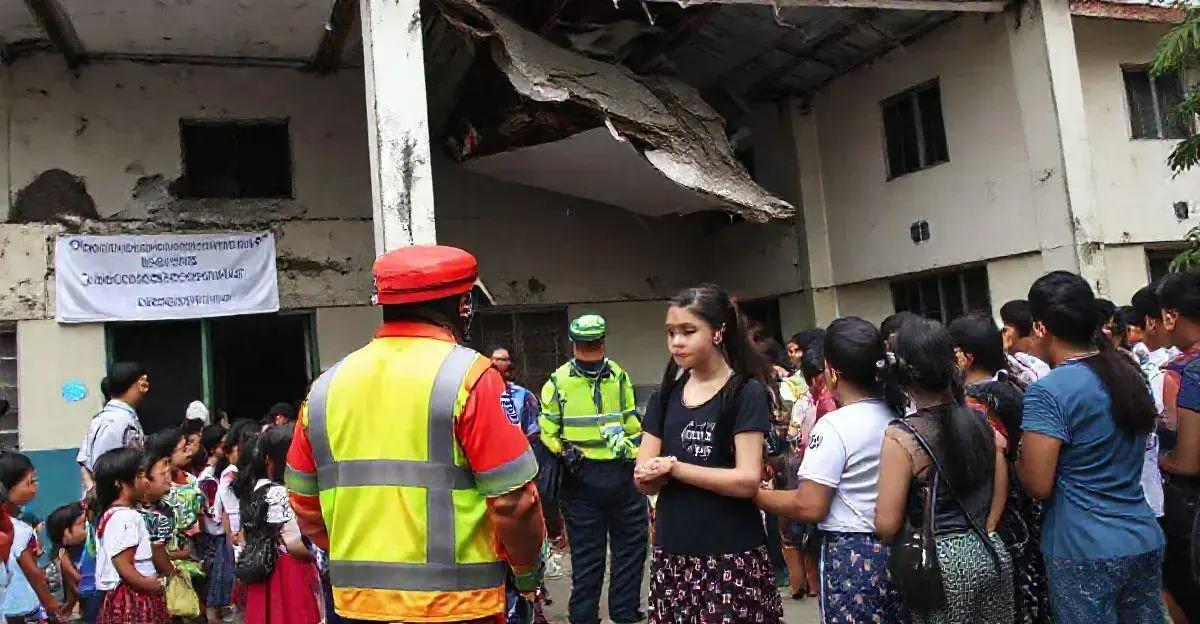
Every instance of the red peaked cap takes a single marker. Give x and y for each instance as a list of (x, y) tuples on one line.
[(423, 273)]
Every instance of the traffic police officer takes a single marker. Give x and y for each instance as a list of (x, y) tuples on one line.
[(406, 466), (590, 419)]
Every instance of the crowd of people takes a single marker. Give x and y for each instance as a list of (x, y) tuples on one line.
[(187, 524), (1045, 470)]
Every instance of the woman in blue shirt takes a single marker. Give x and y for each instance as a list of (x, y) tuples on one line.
[(1082, 449)]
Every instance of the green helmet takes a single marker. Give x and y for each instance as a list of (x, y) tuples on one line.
[(588, 328)]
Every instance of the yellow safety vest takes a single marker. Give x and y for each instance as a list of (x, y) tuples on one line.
[(578, 409), (409, 535)]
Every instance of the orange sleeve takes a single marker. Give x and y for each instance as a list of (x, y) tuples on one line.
[(301, 480), (490, 435)]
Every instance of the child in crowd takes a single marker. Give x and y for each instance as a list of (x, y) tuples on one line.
[(68, 529), (125, 566), (221, 580), (208, 540), (28, 597), (291, 593)]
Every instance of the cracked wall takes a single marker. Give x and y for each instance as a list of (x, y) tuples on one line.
[(99, 152)]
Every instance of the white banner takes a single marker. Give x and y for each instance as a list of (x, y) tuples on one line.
[(150, 278)]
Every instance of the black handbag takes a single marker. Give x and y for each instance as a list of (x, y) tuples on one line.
[(261, 550), (913, 561)]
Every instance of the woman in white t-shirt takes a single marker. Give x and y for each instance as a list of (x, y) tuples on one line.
[(124, 558), (839, 477)]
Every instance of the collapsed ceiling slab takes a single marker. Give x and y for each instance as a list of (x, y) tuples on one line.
[(663, 120)]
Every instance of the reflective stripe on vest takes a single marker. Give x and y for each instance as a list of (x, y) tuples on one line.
[(439, 476)]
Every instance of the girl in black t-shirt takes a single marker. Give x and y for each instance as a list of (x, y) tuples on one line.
[(702, 453)]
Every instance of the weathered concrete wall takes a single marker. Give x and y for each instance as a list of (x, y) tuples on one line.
[(49, 356), (97, 151), (636, 338), (1136, 190), (869, 300), (537, 247), (341, 331), (978, 205), (24, 267)]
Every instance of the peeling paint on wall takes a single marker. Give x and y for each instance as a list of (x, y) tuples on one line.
[(53, 196)]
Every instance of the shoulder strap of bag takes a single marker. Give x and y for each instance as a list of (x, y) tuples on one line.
[(937, 466)]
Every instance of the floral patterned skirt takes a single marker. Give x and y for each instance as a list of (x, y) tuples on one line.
[(734, 588), (855, 584)]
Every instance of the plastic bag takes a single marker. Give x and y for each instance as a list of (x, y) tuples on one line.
[(182, 600)]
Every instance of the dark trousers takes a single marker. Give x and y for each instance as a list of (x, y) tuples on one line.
[(602, 508)]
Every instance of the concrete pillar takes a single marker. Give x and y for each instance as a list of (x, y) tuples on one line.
[(1054, 125), (5, 152), (397, 123), (813, 227)]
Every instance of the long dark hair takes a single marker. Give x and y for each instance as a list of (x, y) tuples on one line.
[(237, 435), (13, 468), (923, 358), (713, 305), (162, 443), (270, 444), (855, 349), (1065, 304), (112, 469)]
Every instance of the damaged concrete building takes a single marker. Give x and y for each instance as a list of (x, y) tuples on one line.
[(816, 157)]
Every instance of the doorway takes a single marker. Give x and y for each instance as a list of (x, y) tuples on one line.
[(258, 361), (238, 365), (171, 353)]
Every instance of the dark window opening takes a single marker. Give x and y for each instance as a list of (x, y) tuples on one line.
[(914, 131), (537, 340), (1152, 104), (242, 365), (944, 296), (236, 160)]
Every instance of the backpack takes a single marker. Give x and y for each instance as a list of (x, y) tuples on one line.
[(261, 552)]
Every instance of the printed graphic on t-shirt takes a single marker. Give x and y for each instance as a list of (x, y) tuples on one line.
[(697, 438), (814, 441), (510, 408)]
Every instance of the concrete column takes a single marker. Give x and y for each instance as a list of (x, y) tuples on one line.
[(5, 152), (813, 227), (397, 123), (1054, 125)]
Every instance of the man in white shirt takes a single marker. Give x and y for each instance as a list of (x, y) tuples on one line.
[(117, 425)]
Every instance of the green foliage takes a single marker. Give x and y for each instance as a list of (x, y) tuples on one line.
[(1177, 51), (1180, 47)]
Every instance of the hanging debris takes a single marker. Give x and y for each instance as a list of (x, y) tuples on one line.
[(665, 120)]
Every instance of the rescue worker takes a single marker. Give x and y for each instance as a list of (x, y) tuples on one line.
[(407, 467), (589, 418)]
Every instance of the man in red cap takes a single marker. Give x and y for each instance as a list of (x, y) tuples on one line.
[(409, 469)]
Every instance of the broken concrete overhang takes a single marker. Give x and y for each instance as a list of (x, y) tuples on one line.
[(632, 126)]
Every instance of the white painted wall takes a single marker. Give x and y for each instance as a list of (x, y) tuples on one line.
[(1128, 271), (978, 205), (1136, 189), (49, 355), (1010, 278)]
